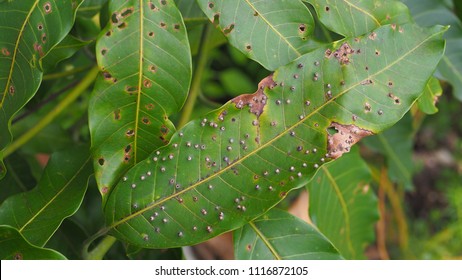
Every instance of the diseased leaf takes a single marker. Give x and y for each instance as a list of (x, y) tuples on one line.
[(222, 171), (427, 102), (277, 235), (272, 33), (357, 17), (430, 12), (145, 61), (13, 246), (342, 205), (39, 212), (396, 145), (30, 29)]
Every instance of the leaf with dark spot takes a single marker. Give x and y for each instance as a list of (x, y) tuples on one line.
[(239, 164)]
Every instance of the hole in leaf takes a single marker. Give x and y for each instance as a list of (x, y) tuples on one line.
[(147, 83), (40, 26), (18, 256), (327, 8), (176, 26), (228, 29), (126, 12), (128, 148), (115, 18), (122, 25), (152, 6), (211, 5), (104, 51), (163, 2), (302, 28), (130, 133), (101, 161), (146, 121), (47, 7)]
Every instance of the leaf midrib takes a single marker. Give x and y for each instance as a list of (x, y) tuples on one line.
[(273, 28), (363, 11), (263, 146), (140, 81), (344, 207), (15, 52), (266, 241)]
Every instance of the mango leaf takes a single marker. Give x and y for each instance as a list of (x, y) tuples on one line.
[(357, 17), (69, 239), (65, 49), (190, 11), (30, 29), (272, 33), (18, 178), (222, 171), (13, 246), (427, 102), (38, 213), (145, 61), (396, 144), (430, 12), (277, 235), (342, 205)]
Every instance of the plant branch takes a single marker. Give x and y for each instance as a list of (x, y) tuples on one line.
[(196, 83), (45, 101), (58, 75), (60, 107), (100, 250)]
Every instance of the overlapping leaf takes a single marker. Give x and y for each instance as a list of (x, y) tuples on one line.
[(271, 32), (29, 30), (146, 68), (38, 213), (279, 235), (220, 172), (430, 12), (397, 146), (357, 17), (13, 246), (427, 102), (342, 205)]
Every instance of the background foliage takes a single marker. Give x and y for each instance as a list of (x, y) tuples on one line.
[(179, 156)]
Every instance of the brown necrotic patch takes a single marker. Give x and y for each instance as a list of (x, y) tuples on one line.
[(256, 101), (130, 133), (5, 52), (149, 106), (126, 12), (146, 120), (47, 8), (147, 83), (340, 142), (342, 54), (228, 29), (117, 115)]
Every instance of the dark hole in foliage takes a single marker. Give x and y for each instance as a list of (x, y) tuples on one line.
[(18, 256), (216, 18), (104, 51), (115, 18), (101, 161), (163, 2), (327, 8), (176, 26), (228, 29), (128, 148), (126, 12), (302, 28), (47, 7), (164, 130), (122, 25), (211, 5)]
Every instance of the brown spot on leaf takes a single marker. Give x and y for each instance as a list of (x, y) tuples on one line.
[(342, 54), (104, 190), (153, 7), (228, 29), (126, 12), (248, 247), (101, 161), (302, 28), (47, 7), (146, 121), (117, 114), (211, 5), (122, 25), (149, 106), (130, 133), (373, 36), (115, 18), (346, 136), (257, 100), (18, 256)]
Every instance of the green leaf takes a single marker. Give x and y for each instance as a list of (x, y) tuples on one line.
[(277, 235), (237, 162), (30, 29), (65, 49), (38, 213), (13, 246), (427, 102), (342, 205), (18, 178), (430, 12), (69, 239), (190, 11), (396, 144), (272, 33), (357, 17), (89, 8), (145, 60)]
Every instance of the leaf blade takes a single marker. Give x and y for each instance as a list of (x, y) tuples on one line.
[(269, 41), (15, 247), (146, 69), (342, 205), (27, 38), (225, 160), (279, 235), (38, 213)]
